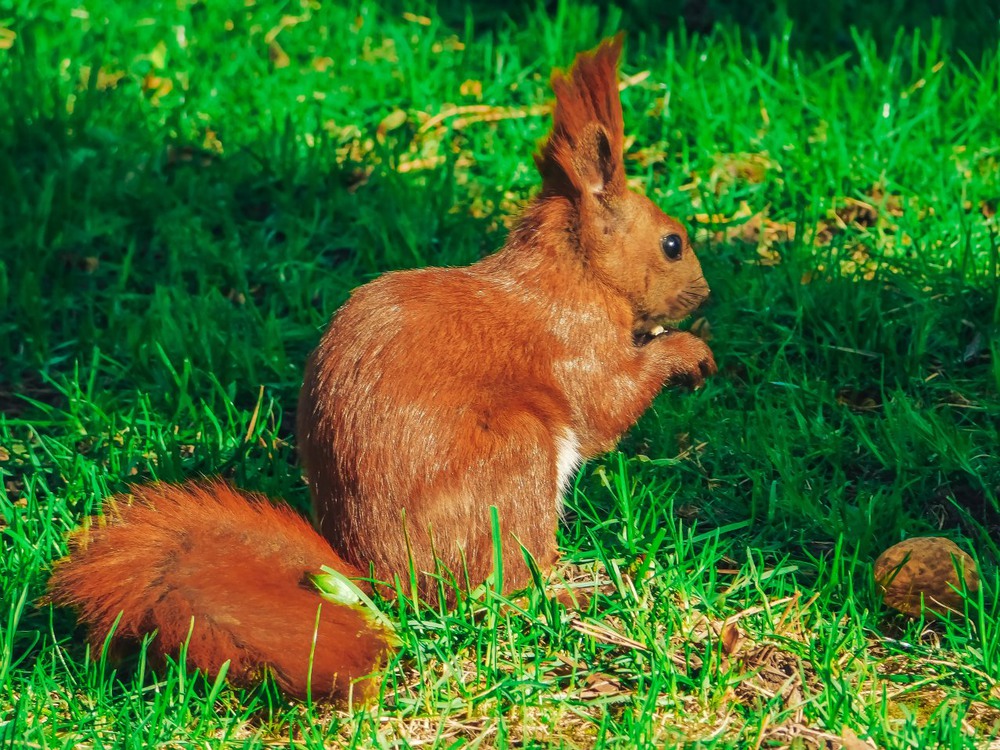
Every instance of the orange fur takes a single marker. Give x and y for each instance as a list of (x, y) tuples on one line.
[(585, 97), (437, 393), (229, 569)]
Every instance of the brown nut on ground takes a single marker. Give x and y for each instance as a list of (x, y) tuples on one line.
[(925, 568)]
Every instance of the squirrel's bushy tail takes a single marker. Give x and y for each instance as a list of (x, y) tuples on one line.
[(231, 575)]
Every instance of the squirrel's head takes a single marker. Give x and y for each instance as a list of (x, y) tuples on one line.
[(622, 236)]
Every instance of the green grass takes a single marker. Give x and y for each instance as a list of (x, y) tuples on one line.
[(182, 210)]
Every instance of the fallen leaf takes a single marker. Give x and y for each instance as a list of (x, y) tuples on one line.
[(279, 58), (416, 165), (106, 79), (392, 121), (159, 87), (285, 22), (851, 741), (7, 37), (212, 142), (471, 88), (741, 167), (599, 685), (451, 44), (414, 18), (321, 64), (731, 638)]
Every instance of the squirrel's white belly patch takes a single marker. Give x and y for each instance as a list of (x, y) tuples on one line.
[(568, 460)]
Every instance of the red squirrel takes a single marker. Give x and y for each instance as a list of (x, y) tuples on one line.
[(439, 392), (433, 395)]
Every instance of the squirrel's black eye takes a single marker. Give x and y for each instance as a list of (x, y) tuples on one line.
[(673, 246)]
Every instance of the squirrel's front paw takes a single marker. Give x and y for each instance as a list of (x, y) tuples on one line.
[(691, 359)]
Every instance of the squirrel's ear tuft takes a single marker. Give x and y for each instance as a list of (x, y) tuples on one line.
[(582, 155)]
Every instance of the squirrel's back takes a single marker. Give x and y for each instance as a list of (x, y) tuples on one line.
[(230, 575)]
